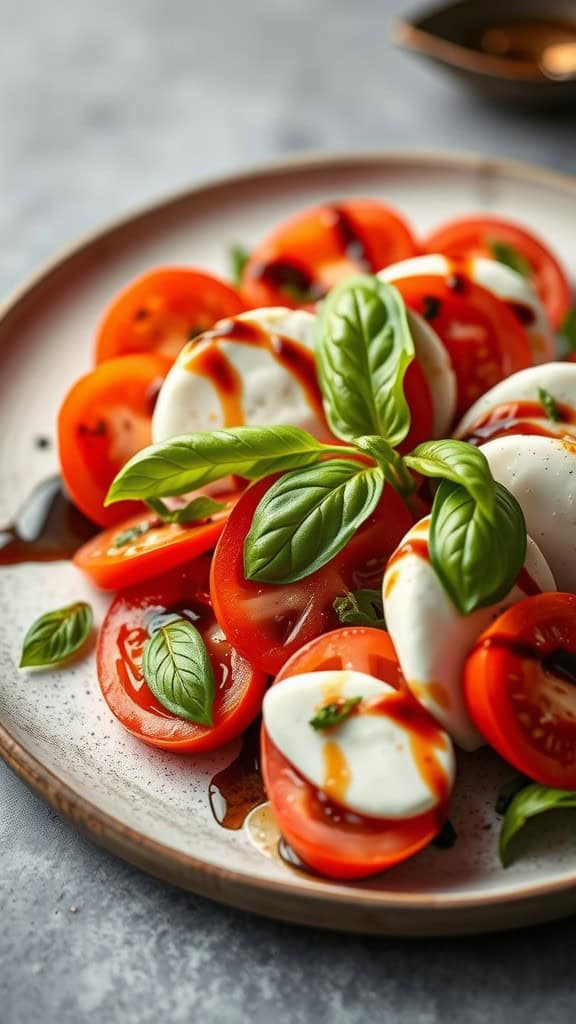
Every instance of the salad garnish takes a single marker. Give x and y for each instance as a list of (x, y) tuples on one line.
[(549, 405), (361, 608), (508, 254), (178, 670), (334, 713), (532, 800), (56, 636)]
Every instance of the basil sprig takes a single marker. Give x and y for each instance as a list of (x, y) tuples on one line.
[(363, 349), (178, 670), (307, 517), (362, 607), (461, 463), (529, 802), (56, 636), (548, 403), (476, 560), (333, 714)]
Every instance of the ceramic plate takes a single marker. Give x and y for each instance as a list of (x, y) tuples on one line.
[(152, 808)]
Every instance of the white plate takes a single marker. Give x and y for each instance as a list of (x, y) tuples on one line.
[(56, 731)]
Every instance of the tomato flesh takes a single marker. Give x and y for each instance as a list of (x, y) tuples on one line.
[(162, 310), (520, 686), (239, 687), (357, 648)]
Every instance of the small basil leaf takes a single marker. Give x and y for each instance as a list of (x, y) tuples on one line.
[(178, 670), (199, 508), (364, 347), (568, 328), (505, 253), (549, 406), (307, 517), (462, 464), (391, 463), (529, 802), (361, 608), (238, 257), (193, 460), (477, 561), (54, 637), (334, 713), (132, 533)]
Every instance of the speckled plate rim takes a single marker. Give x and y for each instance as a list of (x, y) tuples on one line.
[(328, 906)]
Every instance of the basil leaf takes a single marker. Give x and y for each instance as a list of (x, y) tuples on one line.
[(361, 608), (199, 508), (334, 713), (307, 517), (363, 348), (461, 463), (391, 463), (238, 257), (505, 253), (193, 460), (568, 328), (178, 670), (529, 802), (548, 403), (54, 637), (477, 561), (121, 539)]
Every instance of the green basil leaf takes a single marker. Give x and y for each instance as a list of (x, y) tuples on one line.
[(194, 460), (364, 347), (127, 536), (477, 561), (568, 327), (461, 463), (178, 670), (529, 802), (549, 405), (334, 713), (238, 256), (505, 253), (361, 608), (307, 517), (54, 637), (198, 509), (391, 463)]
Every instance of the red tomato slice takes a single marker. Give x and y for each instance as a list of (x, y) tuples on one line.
[(519, 684), (162, 310), (311, 252), (475, 236), (145, 546), (239, 687), (267, 622), (103, 421), (484, 339), (357, 648)]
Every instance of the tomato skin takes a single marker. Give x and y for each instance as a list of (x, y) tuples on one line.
[(163, 546), (161, 310), (479, 363), (357, 648), (523, 708), (337, 843), (473, 236), (103, 421), (324, 245), (239, 687), (268, 622)]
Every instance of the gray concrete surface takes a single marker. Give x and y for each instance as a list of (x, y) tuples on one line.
[(104, 105)]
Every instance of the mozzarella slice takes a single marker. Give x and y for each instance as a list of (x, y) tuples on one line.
[(431, 637), (558, 379), (497, 278), (219, 380), (436, 366), (368, 763), (541, 474)]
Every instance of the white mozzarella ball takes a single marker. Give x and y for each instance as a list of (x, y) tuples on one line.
[(432, 638), (249, 386), (558, 379), (541, 474), (367, 763)]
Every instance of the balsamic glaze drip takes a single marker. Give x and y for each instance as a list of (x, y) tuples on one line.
[(47, 527), (291, 278), (238, 789)]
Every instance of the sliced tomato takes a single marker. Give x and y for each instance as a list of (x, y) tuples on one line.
[(162, 310), (103, 421), (484, 339), (145, 546), (520, 687), (309, 253), (355, 648), (267, 622), (239, 687), (477, 236)]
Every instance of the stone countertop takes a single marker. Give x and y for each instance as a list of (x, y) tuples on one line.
[(103, 107)]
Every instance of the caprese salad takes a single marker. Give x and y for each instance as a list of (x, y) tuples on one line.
[(339, 493)]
